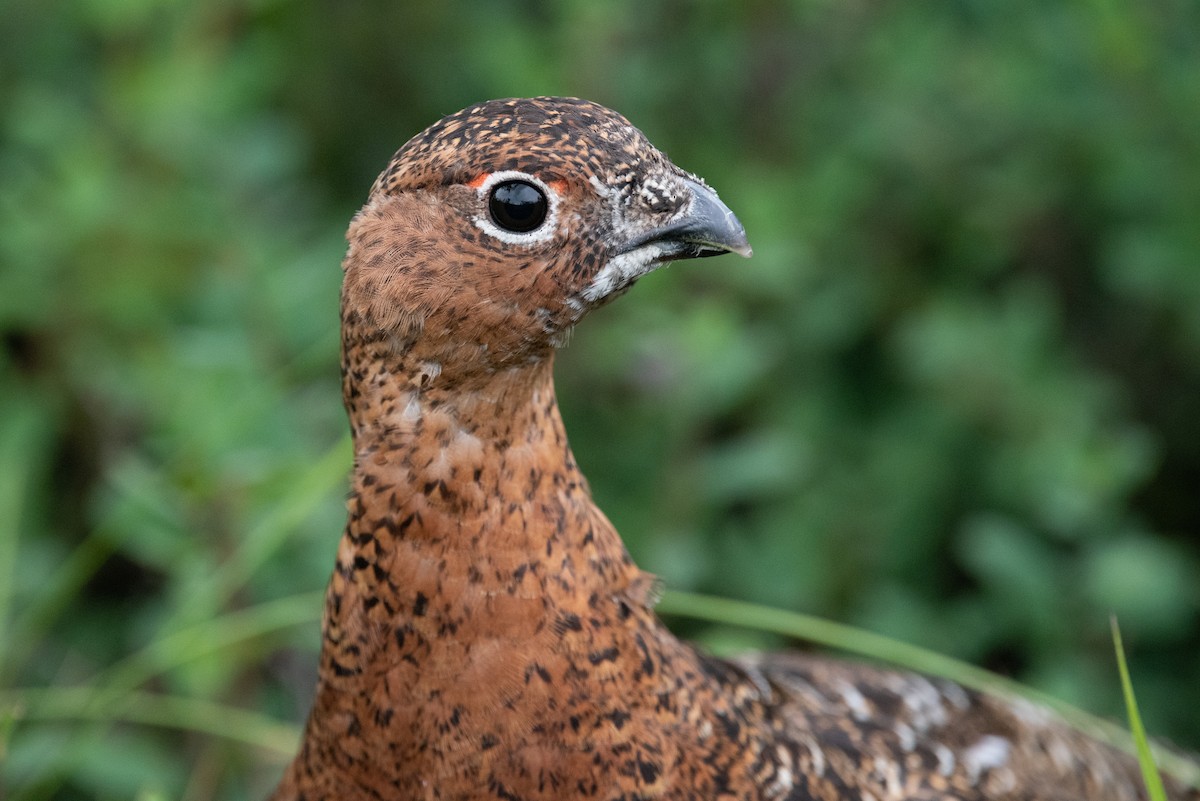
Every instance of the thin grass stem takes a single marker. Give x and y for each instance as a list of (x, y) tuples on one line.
[(885, 649), (1154, 785), (76, 704)]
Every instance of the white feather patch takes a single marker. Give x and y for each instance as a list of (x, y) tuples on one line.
[(623, 270), (987, 753)]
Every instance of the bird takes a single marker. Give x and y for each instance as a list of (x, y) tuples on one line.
[(486, 634)]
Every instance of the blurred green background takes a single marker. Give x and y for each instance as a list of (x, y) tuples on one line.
[(954, 398)]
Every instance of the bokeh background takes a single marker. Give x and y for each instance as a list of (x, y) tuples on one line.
[(954, 398)]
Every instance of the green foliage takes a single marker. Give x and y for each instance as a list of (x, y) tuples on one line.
[(952, 399)]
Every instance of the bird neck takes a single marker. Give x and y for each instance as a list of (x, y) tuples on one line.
[(465, 488), (474, 576)]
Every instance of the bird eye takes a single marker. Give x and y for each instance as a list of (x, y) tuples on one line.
[(518, 206)]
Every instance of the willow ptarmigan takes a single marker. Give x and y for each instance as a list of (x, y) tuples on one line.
[(486, 635)]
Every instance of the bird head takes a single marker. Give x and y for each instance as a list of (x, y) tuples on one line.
[(491, 233)]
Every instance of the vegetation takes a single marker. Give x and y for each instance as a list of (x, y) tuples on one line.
[(952, 399), (1150, 775)]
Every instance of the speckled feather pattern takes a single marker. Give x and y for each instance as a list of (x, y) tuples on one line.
[(486, 635)]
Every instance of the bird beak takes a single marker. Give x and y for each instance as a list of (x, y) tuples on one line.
[(707, 228)]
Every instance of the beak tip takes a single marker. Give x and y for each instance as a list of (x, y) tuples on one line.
[(724, 227), (738, 244)]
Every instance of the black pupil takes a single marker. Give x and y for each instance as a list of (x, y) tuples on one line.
[(518, 206)]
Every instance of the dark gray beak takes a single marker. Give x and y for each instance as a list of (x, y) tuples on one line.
[(707, 228)]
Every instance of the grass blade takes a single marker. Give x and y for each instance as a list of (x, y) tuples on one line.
[(76, 704), (1154, 785), (885, 649), (212, 636)]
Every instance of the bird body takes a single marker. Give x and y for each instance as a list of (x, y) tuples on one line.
[(486, 634)]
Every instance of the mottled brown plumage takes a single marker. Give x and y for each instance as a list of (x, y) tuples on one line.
[(486, 633)]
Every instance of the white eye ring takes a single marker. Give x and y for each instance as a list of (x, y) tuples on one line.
[(484, 220)]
